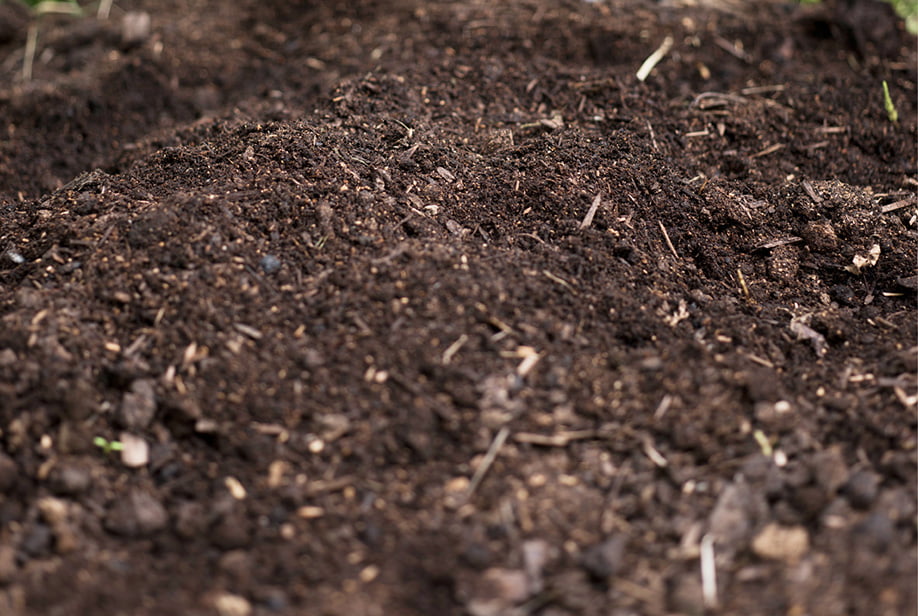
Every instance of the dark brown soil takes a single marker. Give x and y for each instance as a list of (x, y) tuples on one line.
[(407, 307)]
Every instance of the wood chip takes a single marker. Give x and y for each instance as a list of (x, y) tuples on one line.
[(669, 242), (249, 331), (235, 488), (559, 280), (446, 174), (453, 349), (330, 485), (488, 460), (561, 439), (769, 150), (805, 332), (811, 192), (588, 219), (655, 456), (784, 241), (898, 205), (309, 512)]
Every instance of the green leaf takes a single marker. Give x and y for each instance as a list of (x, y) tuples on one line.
[(59, 7)]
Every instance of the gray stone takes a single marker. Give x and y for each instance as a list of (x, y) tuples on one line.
[(190, 520), (604, 560), (70, 479), (136, 515), (830, 470), (135, 28), (269, 264), (862, 488), (37, 540), (231, 531), (138, 406)]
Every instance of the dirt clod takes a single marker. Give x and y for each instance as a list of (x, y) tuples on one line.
[(862, 488), (137, 514), (604, 560)]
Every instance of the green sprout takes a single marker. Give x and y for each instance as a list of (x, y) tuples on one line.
[(106, 445), (39, 8), (888, 104)]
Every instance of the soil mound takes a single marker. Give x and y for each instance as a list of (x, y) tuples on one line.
[(414, 308)]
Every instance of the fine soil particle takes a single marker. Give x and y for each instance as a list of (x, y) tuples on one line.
[(410, 307)]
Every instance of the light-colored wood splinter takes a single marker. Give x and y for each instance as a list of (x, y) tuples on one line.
[(454, 348), (811, 192), (561, 281), (769, 150), (780, 242), (898, 205), (669, 242), (561, 439), (488, 460), (588, 219)]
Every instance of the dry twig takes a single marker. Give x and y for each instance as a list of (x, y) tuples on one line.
[(488, 460), (588, 219)]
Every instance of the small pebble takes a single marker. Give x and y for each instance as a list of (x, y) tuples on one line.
[(231, 532), (735, 514), (232, 605), (876, 531), (69, 479), (53, 510), (829, 469), (536, 554), (786, 543), (135, 28), (369, 573), (897, 503), (37, 540), (137, 514), (138, 406), (274, 599), (190, 520), (269, 264), (135, 452), (237, 565), (235, 488), (477, 555), (862, 489), (604, 560), (497, 591)]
